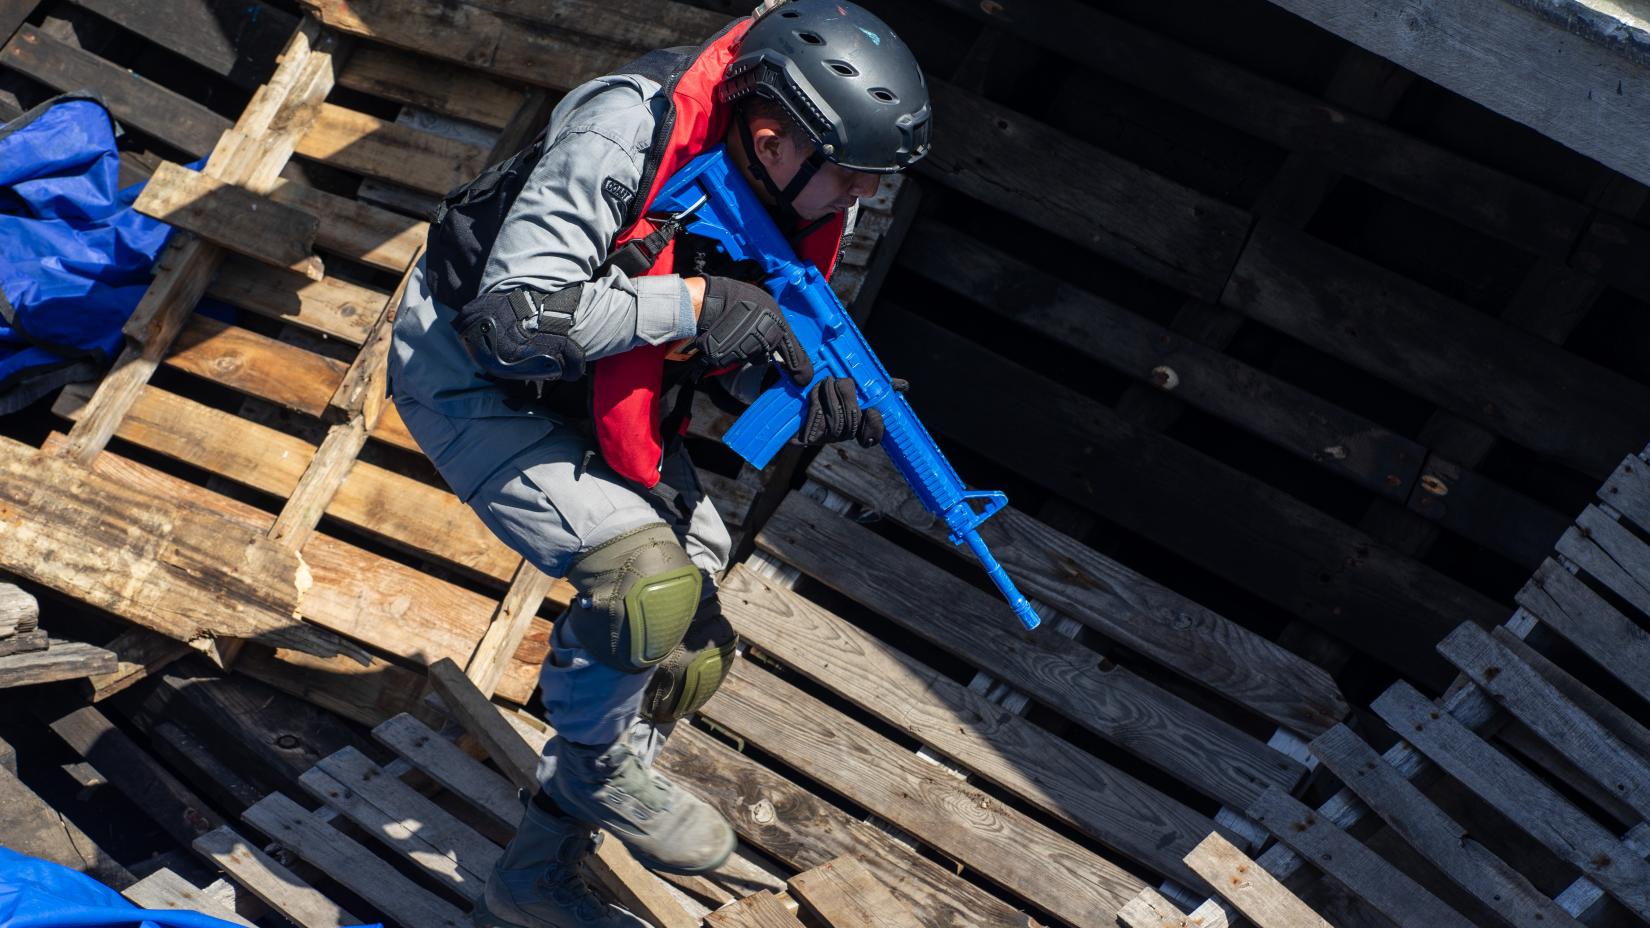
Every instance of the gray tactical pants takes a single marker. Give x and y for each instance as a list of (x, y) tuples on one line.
[(553, 501)]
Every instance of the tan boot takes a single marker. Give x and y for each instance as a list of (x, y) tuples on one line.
[(537, 884)]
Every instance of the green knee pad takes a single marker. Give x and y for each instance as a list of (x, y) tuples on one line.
[(685, 679), (637, 597)]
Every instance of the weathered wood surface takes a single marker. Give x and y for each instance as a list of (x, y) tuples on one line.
[(1352, 864), (266, 878), (1625, 727), (1517, 794), (138, 651), (1106, 803), (364, 144), (442, 761), (842, 893), (1000, 844), (142, 779), (1426, 828), (1513, 61), (1628, 490), (1519, 689), (232, 217), (1119, 210), (181, 571), (33, 827), (434, 85), (59, 660), (1238, 527), (584, 38), (164, 889), (19, 610), (12, 15), (1606, 549), (330, 306), (366, 694), (1242, 882), (24, 642), (352, 865), (758, 910), (233, 38), (1530, 391), (509, 626), (402, 820), (136, 101), (1104, 697), (354, 229), (1584, 618), (1341, 442)]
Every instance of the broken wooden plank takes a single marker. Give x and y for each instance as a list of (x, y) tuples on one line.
[(351, 865), (758, 910), (1048, 772), (1001, 844), (1255, 893), (139, 652), (266, 878), (842, 893), (1426, 828), (1125, 606), (356, 142), (164, 889), (1350, 863), (233, 217), (1203, 751), (136, 101), (1520, 796)]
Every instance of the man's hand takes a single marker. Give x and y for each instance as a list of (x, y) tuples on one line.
[(741, 323), (834, 414)]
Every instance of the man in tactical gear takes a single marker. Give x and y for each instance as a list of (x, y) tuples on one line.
[(530, 358)]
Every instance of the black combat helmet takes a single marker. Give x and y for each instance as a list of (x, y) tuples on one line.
[(843, 76)]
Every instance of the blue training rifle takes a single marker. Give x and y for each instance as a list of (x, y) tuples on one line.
[(714, 202)]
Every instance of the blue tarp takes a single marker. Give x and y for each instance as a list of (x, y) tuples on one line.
[(36, 893), (75, 257)]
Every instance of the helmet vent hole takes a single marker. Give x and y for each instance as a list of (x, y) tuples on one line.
[(789, 14), (884, 94), (810, 38), (843, 68)]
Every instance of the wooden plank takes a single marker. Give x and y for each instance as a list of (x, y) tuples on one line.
[(1233, 525), (1114, 703), (329, 306), (265, 878), (758, 910), (1632, 732), (354, 229), (383, 603), (23, 642), (1530, 391), (140, 777), (366, 694), (363, 144), (59, 660), (1628, 491), (1255, 893), (1341, 442), (12, 15), (1517, 687), (1045, 771), (365, 388), (19, 610), (136, 101), (256, 365), (33, 827), (235, 39), (469, 708), (1125, 606), (1521, 65), (351, 865), (1353, 865), (999, 843), (1517, 794), (1151, 909), (509, 626), (1121, 211), (842, 893), (799, 828), (164, 889), (1426, 828), (1606, 549), (402, 820), (418, 80), (138, 651), (234, 218), (1586, 620), (443, 762), (585, 39)]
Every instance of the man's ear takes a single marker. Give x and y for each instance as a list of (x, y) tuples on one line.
[(771, 146)]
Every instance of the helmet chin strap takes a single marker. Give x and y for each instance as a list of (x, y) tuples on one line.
[(783, 198)]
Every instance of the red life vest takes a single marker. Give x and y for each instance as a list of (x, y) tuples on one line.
[(626, 387)]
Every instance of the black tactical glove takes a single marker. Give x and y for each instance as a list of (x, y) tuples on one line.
[(834, 414), (741, 323)]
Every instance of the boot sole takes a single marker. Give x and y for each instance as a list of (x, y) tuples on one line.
[(652, 864)]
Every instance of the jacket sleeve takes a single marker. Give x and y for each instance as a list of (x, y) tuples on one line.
[(560, 229)]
